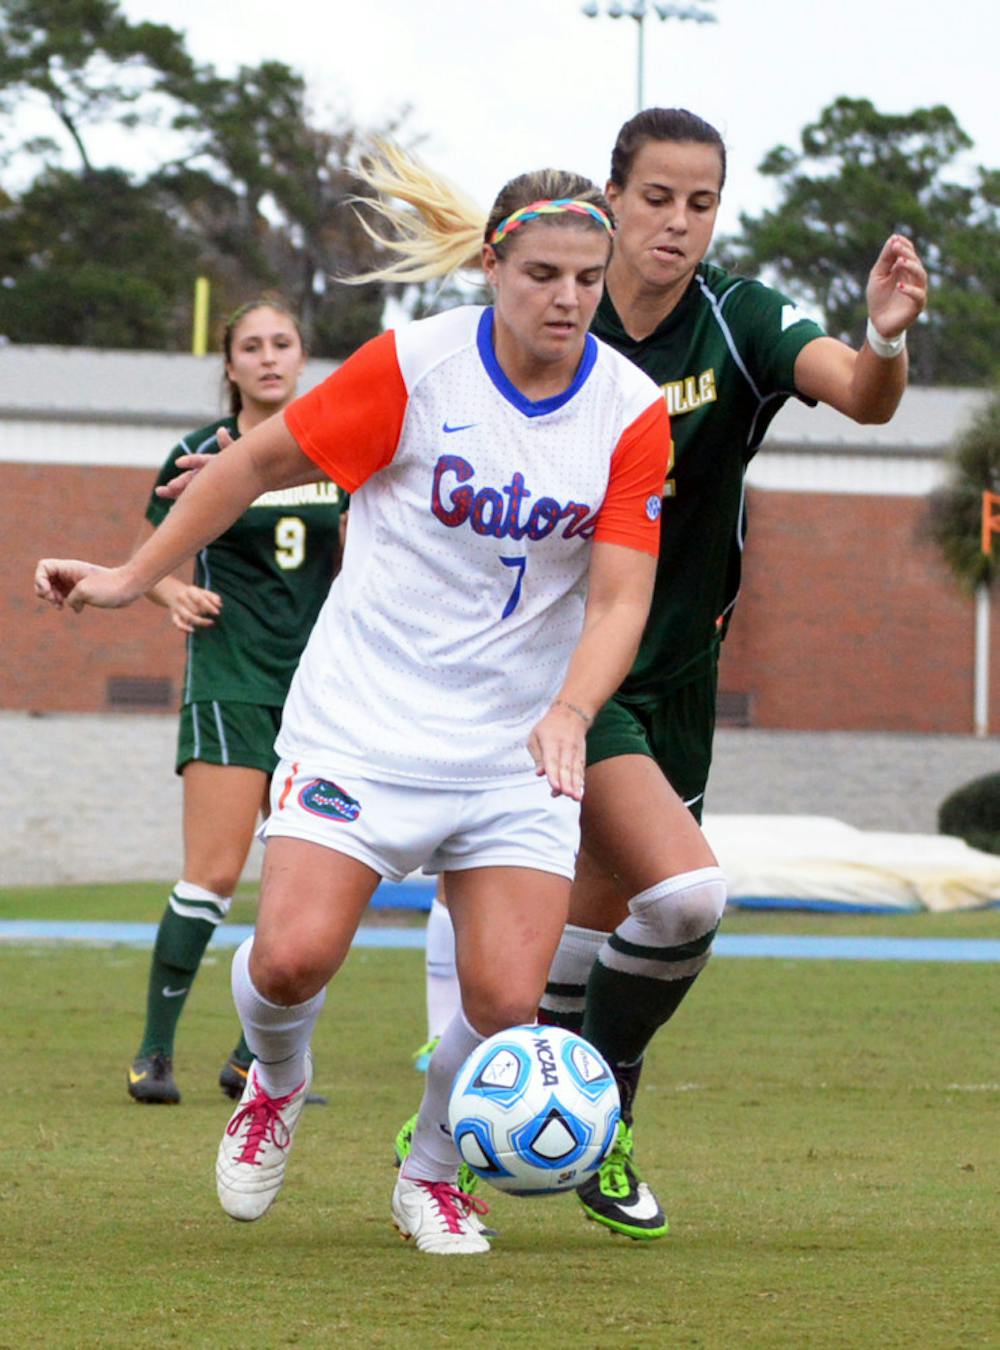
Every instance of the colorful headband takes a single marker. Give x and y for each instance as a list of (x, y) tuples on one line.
[(549, 208)]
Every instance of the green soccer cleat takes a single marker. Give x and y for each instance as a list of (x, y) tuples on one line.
[(151, 1080), (617, 1197), (422, 1057)]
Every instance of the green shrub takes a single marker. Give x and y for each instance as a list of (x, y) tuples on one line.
[(972, 813)]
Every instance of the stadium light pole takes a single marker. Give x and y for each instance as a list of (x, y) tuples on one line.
[(639, 10)]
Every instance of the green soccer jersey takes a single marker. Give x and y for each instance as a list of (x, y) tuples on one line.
[(273, 569), (725, 358)]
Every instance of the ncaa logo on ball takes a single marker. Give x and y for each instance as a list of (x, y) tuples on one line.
[(534, 1110), (653, 507)]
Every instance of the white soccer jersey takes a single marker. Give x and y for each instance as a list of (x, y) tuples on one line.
[(448, 631)]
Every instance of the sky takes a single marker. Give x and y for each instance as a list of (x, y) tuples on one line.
[(499, 88)]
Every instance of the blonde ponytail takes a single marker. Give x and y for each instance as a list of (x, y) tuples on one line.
[(443, 232), (446, 230)]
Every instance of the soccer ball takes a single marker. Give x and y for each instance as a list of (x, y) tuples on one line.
[(534, 1110)]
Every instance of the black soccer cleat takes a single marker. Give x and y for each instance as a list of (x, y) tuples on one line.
[(233, 1077), (618, 1198), (151, 1080)]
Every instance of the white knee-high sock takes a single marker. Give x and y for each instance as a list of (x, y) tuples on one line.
[(433, 1156), (444, 997), (279, 1037), (565, 993)]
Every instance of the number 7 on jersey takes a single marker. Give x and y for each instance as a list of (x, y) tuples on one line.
[(519, 564)]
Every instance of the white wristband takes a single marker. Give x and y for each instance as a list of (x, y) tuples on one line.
[(885, 347)]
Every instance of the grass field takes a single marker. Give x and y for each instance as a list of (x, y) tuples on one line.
[(825, 1134)]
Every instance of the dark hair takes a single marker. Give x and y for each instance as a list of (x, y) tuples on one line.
[(547, 185), (661, 124), (264, 301)]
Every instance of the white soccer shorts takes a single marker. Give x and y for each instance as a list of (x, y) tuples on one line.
[(397, 829)]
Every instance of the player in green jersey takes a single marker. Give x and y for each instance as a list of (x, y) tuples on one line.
[(728, 352), (248, 612)]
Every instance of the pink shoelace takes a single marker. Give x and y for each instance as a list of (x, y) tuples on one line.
[(453, 1205), (262, 1117)]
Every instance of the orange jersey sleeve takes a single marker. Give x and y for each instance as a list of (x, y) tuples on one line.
[(630, 512), (351, 423)]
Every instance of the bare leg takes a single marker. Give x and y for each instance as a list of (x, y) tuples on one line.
[(507, 924), (221, 807), (311, 903), (636, 831)]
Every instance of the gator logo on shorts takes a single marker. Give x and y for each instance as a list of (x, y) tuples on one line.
[(323, 798)]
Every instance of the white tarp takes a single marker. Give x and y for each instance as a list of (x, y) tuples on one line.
[(816, 862)]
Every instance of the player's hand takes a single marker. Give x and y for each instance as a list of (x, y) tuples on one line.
[(192, 607), (70, 582), (557, 746), (897, 287), (192, 466)]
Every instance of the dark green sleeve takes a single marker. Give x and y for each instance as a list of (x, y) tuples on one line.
[(201, 441), (157, 508), (775, 331)]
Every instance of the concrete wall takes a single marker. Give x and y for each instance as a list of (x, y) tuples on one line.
[(95, 798)]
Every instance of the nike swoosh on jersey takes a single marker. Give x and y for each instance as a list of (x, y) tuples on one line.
[(645, 1207), (464, 426), (172, 993)]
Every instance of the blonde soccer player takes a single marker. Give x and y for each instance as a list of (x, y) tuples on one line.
[(505, 469)]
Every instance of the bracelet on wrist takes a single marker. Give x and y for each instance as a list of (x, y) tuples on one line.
[(564, 703), (886, 348)]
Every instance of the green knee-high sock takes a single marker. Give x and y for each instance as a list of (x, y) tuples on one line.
[(624, 1011), (180, 945)]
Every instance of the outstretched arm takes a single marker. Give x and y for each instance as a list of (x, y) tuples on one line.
[(269, 458), (864, 385), (619, 593), (190, 606)]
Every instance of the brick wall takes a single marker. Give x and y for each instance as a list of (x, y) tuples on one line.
[(58, 661), (848, 620)]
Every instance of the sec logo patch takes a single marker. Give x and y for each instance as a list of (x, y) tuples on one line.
[(653, 507), (323, 798)]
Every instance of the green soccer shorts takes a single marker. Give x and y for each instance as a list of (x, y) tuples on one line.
[(676, 731), (228, 733)]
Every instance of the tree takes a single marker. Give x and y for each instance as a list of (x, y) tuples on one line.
[(87, 61), (955, 511), (269, 190), (91, 259), (859, 176), (257, 199)]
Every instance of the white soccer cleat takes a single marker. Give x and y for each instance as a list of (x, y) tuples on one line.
[(250, 1165), (439, 1217)]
